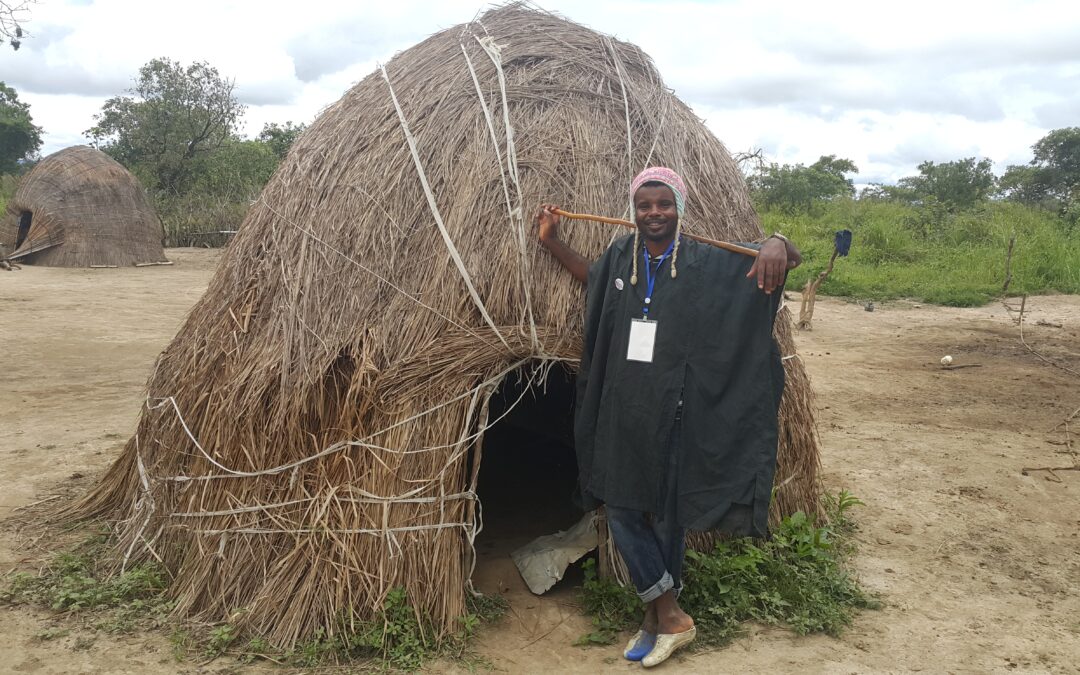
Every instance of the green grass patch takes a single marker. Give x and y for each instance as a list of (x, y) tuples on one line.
[(931, 254), (613, 608), (74, 585), (8, 183), (798, 578), (396, 640)]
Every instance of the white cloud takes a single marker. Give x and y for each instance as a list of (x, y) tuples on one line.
[(885, 85), (64, 117)]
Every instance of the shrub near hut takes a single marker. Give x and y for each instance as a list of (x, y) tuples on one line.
[(312, 433)]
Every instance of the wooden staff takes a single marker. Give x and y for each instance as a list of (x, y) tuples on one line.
[(626, 223)]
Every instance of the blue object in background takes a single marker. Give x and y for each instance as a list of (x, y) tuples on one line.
[(843, 242)]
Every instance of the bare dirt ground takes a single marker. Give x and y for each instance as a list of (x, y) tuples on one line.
[(978, 564)]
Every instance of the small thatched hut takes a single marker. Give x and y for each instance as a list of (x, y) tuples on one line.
[(80, 208), (312, 436)]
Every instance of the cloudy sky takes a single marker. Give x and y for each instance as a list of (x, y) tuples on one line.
[(887, 85)]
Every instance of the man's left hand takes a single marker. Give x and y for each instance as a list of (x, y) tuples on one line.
[(770, 266)]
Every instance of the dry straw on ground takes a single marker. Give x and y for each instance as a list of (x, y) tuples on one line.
[(312, 434), (80, 208)]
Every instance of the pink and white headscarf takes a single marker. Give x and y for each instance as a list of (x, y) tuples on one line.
[(659, 174), (662, 174)]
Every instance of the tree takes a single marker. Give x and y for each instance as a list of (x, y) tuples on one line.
[(12, 16), (832, 166), (794, 188), (20, 139), (1025, 184), (280, 137), (1058, 153), (223, 183), (1053, 175), (237, 170), (174, 116), (959, 184), (879, 192)]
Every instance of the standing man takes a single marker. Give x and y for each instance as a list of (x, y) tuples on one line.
[(677, 394)]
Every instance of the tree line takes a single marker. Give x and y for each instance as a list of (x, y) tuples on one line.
[(1051, 180), (177, 129)]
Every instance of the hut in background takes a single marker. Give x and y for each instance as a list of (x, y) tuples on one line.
[(312, 435), (80, 208)]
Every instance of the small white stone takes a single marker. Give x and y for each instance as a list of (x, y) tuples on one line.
[(946, 360)]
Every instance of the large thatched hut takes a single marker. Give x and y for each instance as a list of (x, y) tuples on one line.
[(312, 436), (80, 208)]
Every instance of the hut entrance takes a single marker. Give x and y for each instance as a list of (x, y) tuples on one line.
[(24, 228), (528, 474)]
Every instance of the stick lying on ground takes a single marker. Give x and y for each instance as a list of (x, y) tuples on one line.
[(1050, 470), (626, 223)]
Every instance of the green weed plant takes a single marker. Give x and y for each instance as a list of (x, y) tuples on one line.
[(396, 640), (613, 608), (70, 584)]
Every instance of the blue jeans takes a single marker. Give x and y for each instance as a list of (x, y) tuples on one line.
[(652, 545)]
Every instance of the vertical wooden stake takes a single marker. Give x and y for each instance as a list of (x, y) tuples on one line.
[(604, 565), (1008, 264)]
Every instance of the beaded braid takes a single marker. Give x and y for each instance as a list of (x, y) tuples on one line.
[(633, 272), (675, 251)]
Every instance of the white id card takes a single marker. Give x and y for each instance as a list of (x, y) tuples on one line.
[(642, 339)]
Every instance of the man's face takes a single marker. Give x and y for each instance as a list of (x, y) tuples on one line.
[(656, 213)]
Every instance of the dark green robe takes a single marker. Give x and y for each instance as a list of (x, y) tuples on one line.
[(715, 352)]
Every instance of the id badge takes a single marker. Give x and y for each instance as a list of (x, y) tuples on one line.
[(642, 340)]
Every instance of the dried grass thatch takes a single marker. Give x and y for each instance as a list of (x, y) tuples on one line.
[(80, 208), (312, 434)]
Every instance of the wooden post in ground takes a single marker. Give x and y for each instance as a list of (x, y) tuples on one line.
[(603, 564), (1008, 264), (809, 294)]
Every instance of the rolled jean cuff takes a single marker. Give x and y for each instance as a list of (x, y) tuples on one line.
[(653, 592)]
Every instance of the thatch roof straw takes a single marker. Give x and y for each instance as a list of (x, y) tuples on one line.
[(80, 208), (311, 435)]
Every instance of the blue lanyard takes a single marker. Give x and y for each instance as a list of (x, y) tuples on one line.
[(650, 280)]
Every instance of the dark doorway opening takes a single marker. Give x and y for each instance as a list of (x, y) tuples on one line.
[(528, 475), (24, 228)]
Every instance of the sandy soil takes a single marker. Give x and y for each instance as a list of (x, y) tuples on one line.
[(978, 564)]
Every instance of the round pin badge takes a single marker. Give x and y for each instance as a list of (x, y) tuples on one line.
[(618, 283)]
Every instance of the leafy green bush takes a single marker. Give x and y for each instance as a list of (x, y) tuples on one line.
[(797, 578), (224, 183)]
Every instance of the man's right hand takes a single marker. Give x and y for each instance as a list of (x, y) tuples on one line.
[(548, 221)]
